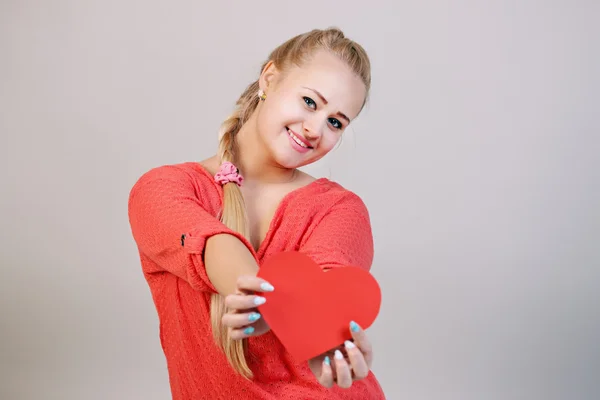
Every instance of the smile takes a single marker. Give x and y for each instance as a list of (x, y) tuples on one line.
[(297, 139)]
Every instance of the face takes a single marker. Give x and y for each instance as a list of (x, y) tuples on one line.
[(307, 109)]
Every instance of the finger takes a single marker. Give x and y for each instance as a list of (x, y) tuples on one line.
[(342, 369), (241, 333), (243, 302), (362, 342), (249, 283), (235, 320), (331, 354), (255, 329), (357, 361), (326, 378)]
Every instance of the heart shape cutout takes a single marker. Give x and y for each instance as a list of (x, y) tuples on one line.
[(310, 309)]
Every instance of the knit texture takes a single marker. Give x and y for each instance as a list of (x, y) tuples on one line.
[(173, 210)]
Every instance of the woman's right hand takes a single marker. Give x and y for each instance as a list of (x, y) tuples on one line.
[(243, 319)]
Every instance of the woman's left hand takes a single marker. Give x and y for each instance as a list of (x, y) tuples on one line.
[(335, 367)]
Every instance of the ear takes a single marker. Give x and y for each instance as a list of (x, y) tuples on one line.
[(268, 76)]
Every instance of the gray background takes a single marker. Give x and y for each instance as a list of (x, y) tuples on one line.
[(478, 156)]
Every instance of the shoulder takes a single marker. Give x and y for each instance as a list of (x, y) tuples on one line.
[(185, 175), (332, 193), (179, 171), (327, 196)]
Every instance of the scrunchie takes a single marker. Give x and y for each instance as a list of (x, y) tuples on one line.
[(228, 173)]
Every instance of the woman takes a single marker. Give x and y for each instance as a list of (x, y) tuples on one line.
[(203, 229)]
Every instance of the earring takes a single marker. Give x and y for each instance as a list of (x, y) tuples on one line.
[(262, 95)]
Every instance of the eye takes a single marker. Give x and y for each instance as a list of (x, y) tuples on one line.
[(335, 123), (310, 102)]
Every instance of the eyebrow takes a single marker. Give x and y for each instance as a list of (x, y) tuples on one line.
[(324, 100)]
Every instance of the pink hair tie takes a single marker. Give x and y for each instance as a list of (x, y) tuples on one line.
[(228, 173)]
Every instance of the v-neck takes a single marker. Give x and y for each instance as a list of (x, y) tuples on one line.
[(262, 247)]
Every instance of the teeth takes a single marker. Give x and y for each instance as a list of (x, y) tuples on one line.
[(296, 139)]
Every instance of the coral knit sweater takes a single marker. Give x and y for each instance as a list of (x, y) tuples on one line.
[(322, 219)]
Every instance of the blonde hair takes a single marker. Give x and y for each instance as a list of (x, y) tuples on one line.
[(295, 51)]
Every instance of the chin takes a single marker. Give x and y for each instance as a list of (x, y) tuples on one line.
[(291, 162), (288, 158)]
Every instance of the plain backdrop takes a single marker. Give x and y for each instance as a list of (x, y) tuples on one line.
[(478, 156)]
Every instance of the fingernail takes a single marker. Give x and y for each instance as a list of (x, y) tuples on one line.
[(253, 317), (266, 287), (258, 300), (326, 360), (354, 326), (249, 330), (339, 355), (349, 344)]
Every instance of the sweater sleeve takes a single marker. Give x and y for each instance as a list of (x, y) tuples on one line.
[(170, 225), (343, 237)]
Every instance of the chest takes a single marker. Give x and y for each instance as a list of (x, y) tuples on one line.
[(261, 207)]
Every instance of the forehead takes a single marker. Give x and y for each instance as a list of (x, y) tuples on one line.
[(331, 77)]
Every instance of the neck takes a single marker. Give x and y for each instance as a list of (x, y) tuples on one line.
[(254, 162)]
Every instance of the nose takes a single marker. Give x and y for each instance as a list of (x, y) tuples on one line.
[(313, 128)]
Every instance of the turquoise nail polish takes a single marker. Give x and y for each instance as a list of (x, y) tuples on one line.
[(249, 330), (253, 317), (354, 326), (266, 287), (327, 361), (258, 300)]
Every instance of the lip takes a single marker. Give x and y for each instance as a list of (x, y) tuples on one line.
[(301, 138)]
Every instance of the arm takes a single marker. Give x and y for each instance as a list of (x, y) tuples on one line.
[(343, 237), (173, 231), (226, 259)]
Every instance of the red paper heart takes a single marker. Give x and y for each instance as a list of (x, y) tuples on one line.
[(310, 310)]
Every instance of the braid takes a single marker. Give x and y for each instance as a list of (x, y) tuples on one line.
[(233, 216)]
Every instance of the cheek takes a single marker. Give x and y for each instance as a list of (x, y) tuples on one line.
[(276, 115), (329, 141), (286, 108), (267, 121)]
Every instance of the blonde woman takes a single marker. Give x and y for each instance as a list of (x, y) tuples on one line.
[(204, 228)]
